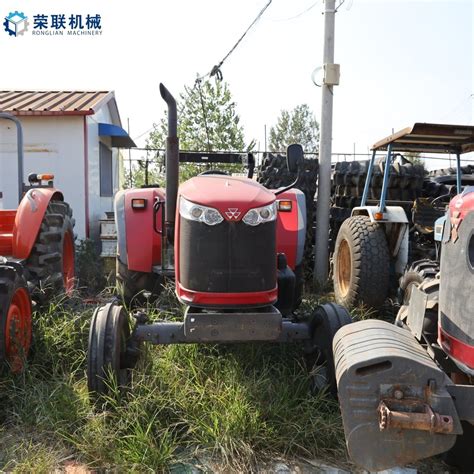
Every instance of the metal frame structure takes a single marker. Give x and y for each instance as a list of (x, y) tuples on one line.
[(425, 138)]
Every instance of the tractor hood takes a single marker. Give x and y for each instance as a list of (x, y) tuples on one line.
[(226, 193)]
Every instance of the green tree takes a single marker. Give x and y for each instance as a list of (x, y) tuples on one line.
[(414, 157), (296, 126), (207, 121)]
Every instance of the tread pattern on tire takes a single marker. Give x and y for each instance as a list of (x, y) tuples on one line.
[(417, 273), (44, 265), (274, 174), (423, 274), (104, 358), (370, 263), (132, 285)]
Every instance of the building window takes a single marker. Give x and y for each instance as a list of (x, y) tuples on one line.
[(106, 179)]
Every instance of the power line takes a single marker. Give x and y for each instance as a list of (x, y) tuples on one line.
[(216, 70), (299, 14)]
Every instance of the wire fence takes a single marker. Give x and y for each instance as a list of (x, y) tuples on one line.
[(152, 160)]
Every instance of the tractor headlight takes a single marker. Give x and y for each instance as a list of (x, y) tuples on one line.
[(195, 212), (261, 215)]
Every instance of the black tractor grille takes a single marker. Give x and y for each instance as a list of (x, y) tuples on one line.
[(230, 257)]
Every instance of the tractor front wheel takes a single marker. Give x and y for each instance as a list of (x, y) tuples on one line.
[(109, 358), (15, 317), (326, 320), (361, 263), (51, 264)]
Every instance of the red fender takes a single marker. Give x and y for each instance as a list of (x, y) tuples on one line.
[(29, 217), (143, 242), (291, 227)]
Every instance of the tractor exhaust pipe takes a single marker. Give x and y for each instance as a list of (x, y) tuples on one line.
[(172, 163)]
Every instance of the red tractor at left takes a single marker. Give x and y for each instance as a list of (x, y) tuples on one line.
[(37, 256)]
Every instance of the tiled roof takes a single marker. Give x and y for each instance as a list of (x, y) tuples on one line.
[(53, 102)]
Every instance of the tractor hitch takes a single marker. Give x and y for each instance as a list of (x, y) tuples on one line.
[(426, 420)]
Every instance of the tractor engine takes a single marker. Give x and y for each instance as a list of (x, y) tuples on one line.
[(456, 324), (225, 243)]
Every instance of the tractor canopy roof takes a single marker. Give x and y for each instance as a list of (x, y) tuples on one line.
[(430, 138)]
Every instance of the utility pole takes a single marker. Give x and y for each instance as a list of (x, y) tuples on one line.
[(129, 155), (331, 78)]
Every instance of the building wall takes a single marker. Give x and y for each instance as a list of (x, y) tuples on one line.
[(99, 205), (52, 145)]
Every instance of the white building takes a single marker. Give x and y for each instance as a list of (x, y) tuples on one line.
[(74, 135)]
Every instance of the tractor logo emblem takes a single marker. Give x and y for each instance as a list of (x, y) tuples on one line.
[(16, 23), (233, 213)]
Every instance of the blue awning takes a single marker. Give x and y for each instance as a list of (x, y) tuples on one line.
[(120, 138)]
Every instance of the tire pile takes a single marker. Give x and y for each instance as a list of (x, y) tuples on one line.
[(274, 174), (348, 181), (442, 182)]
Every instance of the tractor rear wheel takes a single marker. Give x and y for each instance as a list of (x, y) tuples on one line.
[(109, 358), (51, 264), (414, 276), (326, 320), (361, 263), (429, 286), (15, 317), (461, 455), (133, 286)]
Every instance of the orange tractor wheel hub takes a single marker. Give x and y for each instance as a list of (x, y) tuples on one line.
[(18, 329)]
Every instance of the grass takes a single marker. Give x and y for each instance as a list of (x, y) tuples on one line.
[(236, 405)]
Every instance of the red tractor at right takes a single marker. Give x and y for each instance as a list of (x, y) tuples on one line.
[(406, 390)]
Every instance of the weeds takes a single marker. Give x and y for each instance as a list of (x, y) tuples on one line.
[(236, 404)]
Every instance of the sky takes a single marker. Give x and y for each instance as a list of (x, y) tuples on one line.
[(401, 61)]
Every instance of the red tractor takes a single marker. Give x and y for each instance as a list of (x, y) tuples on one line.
[(407, 390), (36, 256), (235, 250)]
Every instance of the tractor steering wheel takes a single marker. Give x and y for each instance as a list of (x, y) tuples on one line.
[(220, 172)]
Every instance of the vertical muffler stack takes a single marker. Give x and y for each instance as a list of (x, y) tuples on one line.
[(394, 403), (172, 164)]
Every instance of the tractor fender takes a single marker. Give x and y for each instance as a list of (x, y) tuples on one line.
[(392, 214), (29, 217), (138, 229), (291, 227)]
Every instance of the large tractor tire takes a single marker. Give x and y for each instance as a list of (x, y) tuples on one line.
[(361, 264), (15, 317), (137, 288), (51, 264)]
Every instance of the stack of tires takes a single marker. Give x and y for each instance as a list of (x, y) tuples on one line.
[(405, 182), (348, 182), (274, 174), (441, 183)]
